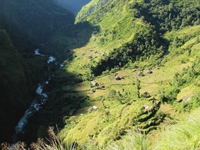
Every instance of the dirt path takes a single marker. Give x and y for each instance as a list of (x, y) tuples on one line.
[(124, 110)]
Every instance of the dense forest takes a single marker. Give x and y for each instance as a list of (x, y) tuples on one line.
[(129, 74)]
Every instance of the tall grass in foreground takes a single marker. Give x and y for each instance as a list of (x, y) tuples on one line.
[(185, 135), (52, 143), (133, 141)]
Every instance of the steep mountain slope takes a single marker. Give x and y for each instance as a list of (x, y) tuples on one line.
[(143, 55), (91, 8), (72, 5), (15, 86), (24, 25), (37, 20), (144, 58)]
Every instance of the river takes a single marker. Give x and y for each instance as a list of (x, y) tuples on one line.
[(37, 103)]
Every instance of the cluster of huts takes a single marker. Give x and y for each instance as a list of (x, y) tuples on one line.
[(96, 86), (150, 108), (117, 77), (141, 73), (90, 56)]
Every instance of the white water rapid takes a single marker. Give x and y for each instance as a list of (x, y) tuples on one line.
[(36, 105)]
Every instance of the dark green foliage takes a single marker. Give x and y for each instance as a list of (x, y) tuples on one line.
[(148, 121), (68, 38), (188, 76), (145, 95), (168, 15), (62, 103), (15, 89), (35, 19), (28, 23), (146, 43), (162, 16), (112, 93)]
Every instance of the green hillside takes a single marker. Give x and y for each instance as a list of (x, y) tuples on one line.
[(144, 58)]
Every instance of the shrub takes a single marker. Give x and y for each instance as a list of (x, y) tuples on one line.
[(112, 93)]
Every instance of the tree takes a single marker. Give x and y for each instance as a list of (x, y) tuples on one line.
[(138, 87)]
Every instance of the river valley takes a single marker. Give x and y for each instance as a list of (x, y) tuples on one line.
[(38, 102)]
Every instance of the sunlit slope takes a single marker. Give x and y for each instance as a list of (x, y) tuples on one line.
[(119, 35), (91, 8), (126, 38), (185, 132), (121, 110), (116, 21)]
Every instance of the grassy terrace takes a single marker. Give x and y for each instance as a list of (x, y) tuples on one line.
[(123, 112)]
